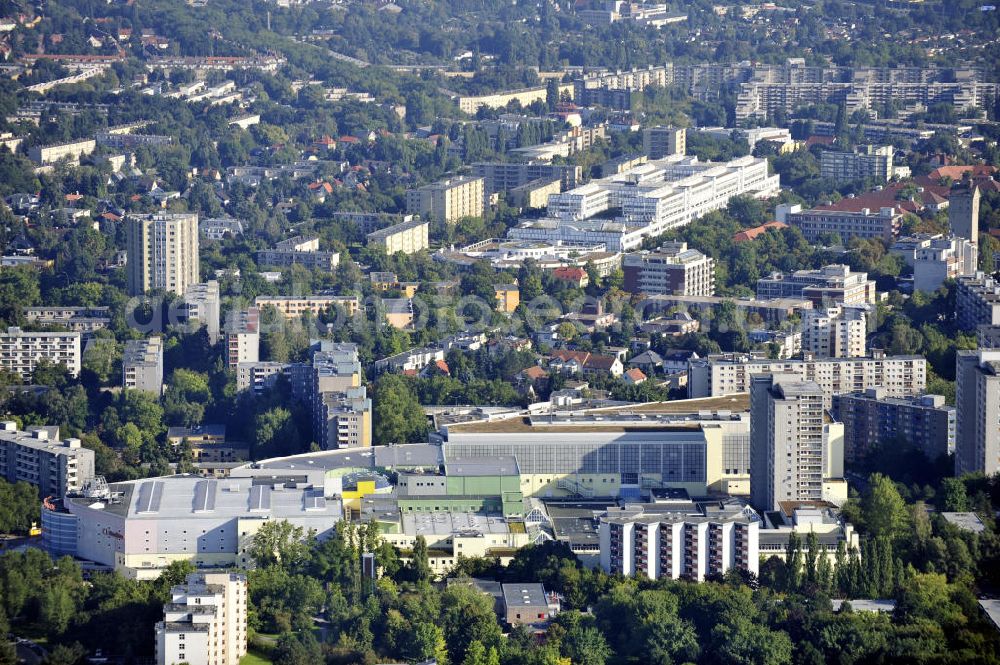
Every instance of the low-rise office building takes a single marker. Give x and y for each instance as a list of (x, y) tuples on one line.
[(527, 604), (819, 518), (830, 285), (142, 365), (450, 535), (21, 352), (37, 456), (299, 251), (76, 319)]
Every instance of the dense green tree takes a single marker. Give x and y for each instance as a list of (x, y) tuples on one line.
[(19, 506), (396, 413)]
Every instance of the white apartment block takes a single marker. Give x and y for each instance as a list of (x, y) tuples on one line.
[(867, 161), (830, 285), (162, 252), (526, 96), (448, 200), (407, 237), (257, 376), (795, 448), (299, 250), (243, 337), (202, 308), (672, 269), (21, 352), (649, 200), (977, 401), (295, 306), (205, 622), (943, 259), (882, 224), (72, 151), (672, 546), (729, 373), (38, 457), (142, 365), (835, 332)]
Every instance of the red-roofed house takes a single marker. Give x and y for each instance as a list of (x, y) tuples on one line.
[(958, 172), (320, 190), (574, 275), (757, 231), (533, 374), (575, 362), (819, 140), (437, 368), (634, 376)]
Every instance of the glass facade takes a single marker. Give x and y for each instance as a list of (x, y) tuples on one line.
[(675, 456)]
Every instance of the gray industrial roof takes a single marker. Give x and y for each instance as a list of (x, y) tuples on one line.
[(495, 465), (524, 594), (191, 497)]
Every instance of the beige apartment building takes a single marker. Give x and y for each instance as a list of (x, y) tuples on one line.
[(205, 622), (408, 237), (525, 96), (162, 252), (448, 200), (72, 151), (295, 306)]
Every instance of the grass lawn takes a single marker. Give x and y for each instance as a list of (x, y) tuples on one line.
[(254, 658)]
